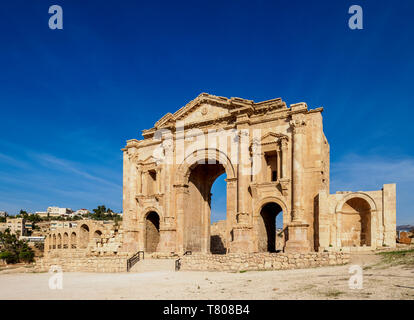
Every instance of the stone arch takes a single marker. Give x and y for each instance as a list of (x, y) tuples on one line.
[(97, 234), (59, 241), (54, 241), (50, 241), (152, 231), (196, 157), (73, 240), (356, 195), (65, 240), (148, 210), (265, 220), (355, 220), (276, 200), (186, 189), (83, 236)]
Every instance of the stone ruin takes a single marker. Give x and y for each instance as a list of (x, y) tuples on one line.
[(276, 162)]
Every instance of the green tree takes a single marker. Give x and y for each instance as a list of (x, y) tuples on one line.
[(102, 213), (14, 250)]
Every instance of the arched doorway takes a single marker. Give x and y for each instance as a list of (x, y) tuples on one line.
[(84, 236), (152, 231), (59, 241), (356, 223), (197, 210), (97, 234), (65, 240), (73, 240), (271, 236)]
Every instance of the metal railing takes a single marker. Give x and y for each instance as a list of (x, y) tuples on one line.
[(178, 261), (134, 259)]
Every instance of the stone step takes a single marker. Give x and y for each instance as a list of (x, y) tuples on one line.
[(149, 265)]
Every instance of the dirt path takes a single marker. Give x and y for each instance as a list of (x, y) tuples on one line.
[(319, 283)]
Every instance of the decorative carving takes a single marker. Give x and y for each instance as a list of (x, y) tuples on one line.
[(133, 155), (298, 124)]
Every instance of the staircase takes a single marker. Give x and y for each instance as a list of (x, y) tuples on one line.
[(151, 265)]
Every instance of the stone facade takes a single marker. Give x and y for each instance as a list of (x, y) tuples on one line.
[(276, 159)]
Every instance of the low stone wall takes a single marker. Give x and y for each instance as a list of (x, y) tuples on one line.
[(79, 262), (262, 261)]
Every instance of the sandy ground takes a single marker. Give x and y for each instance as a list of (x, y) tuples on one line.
[(379, 282)]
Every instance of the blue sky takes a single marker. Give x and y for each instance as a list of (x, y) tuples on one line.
[(70, 98)]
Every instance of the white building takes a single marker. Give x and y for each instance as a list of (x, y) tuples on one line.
[(58, 212), (62, 224), (81, 212)]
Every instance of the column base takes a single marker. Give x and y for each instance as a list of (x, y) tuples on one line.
[(241, 240), (298, 238), (130, 242), (167, 240)]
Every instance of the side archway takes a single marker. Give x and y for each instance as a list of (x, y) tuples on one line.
[(355, 220)]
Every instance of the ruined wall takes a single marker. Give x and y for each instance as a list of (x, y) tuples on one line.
[(218, 243), (79, 261), (262, 261), (363, 220)]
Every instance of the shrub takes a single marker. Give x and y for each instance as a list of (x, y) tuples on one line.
[(9, 257)]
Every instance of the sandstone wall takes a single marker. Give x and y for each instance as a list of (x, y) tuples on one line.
[(79, 262), (262, 261)]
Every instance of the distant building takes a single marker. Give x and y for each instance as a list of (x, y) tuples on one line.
[(58, 212), (42, 214), (62, 224), (3, 214), (55, 212), (15, 225), (32, 239), (81, 212)]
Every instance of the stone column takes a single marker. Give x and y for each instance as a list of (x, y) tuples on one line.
[(158, 182), (167, 243), (298, 130), (284, 154), (279, 165), (263, 170), (297, 229), (181, 192), (390, 212), (139, 180)]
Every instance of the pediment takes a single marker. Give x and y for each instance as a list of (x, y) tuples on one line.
[(203, 112), (207, 107), (203, 108), (147, 161), (272, 137)]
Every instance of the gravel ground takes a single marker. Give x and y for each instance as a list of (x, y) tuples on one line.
[(379, 282)]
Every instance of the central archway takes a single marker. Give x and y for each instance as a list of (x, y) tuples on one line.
[(197, 217), (193, 181)]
